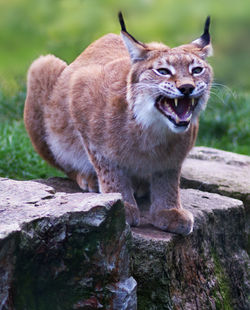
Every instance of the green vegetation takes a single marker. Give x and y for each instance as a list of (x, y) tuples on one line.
[(30, 28), (18, 160), (222, 296), (225, 124)]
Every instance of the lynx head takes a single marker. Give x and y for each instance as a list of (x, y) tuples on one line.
[(168, 86)]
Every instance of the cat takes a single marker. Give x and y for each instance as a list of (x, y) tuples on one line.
[(123, 110)]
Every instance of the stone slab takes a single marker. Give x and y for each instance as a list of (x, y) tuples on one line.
[(63, 250), (209, 269), (218, 171)]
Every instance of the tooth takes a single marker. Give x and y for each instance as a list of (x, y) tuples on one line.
[(189, 118), (192, 101), (176, 101), (177, 120)]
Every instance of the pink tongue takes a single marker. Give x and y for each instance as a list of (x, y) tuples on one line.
[(182, 106)]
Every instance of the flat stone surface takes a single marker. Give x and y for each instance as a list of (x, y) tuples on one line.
[(25, 201), (63, 250), (209, 269), (218, 171), (201, 204)]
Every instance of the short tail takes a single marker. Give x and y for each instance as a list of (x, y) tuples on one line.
[(42, 77)]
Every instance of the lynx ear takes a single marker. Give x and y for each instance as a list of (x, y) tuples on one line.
[(204, 42), (135, 48)]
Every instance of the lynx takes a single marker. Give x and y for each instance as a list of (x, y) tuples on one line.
[(122, 111)]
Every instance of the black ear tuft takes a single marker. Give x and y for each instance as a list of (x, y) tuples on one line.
[(122, 23), (206, 36), (123, 29)]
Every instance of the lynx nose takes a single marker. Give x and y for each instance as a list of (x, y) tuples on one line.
[(186, 89)]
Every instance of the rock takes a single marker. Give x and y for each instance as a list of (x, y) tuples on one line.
[(208, 269), (125, 293), (217, 171), (62, 250)]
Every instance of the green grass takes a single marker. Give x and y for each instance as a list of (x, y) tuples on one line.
[(226, 122), (18, 159), (224, 125)]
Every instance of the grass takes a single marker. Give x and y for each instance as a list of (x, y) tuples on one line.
[(224, 125), (18, 160), (17, 157)]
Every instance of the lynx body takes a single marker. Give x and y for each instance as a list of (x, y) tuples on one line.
[(122, 111)]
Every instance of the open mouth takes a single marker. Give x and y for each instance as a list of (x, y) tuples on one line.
[(178, 110)]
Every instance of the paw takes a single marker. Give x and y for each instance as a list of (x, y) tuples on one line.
[(87, 183), (179, 221), (132, 214)]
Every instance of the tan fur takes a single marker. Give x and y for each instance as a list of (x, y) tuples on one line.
[(93, 120)]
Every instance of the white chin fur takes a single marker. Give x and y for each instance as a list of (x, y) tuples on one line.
[(176, 129), (146, 113)]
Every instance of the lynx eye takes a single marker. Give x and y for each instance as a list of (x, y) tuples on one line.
[(163, 71), (197, 70)]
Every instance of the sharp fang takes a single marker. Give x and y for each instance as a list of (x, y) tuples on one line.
[(177, 120), (192, 101), (176, 101)]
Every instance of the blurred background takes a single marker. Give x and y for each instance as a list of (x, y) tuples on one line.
[(29, 28)]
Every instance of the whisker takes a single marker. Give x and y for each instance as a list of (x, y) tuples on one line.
[(217, 95), (225, 87)]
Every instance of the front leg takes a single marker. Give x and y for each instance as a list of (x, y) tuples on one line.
[(166, 211), (114, 179)]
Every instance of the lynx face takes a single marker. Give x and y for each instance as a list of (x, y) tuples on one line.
[(172, 91), (169, 86)]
